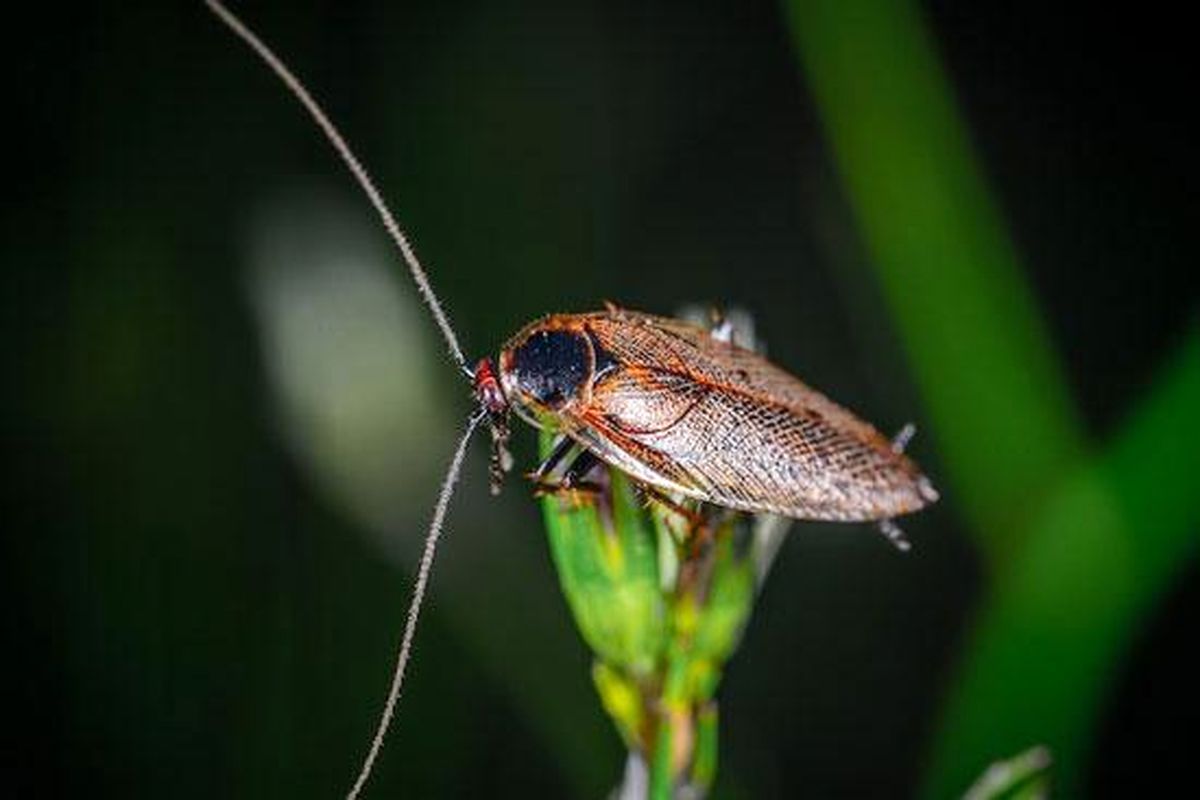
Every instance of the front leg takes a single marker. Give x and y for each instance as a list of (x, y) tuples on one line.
[(578, 469), (578, 465), (562, 446)]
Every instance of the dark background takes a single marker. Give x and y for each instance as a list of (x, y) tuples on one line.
[(220, 468)]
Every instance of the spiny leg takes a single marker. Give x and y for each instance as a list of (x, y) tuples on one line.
[(903, 437), (651, 494), (696, 542), (894, 535), (720, 328), (699, 529), (562, 446), (888, 527), (579, 468), (576, 470)]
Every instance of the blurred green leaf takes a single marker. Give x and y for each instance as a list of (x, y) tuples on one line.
[(1077, 549), (1049, 642), (1002, 418)]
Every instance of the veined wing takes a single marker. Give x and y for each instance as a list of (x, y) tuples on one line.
[(683, 411)]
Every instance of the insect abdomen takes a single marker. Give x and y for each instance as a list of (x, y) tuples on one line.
[(740, 454)]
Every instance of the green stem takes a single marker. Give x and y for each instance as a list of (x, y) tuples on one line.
[(662, 781)]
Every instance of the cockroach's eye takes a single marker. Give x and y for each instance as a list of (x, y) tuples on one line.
[(551, 366)]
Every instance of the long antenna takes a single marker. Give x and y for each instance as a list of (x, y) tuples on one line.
[(360, 174), (414, 608), (418, 273)]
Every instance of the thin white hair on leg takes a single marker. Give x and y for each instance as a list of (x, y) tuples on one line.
[(356, 169), (414, 607)]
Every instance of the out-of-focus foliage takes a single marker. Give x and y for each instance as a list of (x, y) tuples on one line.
[(1022, 777), (1078, 547)]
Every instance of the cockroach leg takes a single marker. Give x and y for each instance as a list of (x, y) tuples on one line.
[(650, 495), (590, 489), (583, 463), (695, 520), (720, 328), (576, 470), (905, 435), (894, 535), (562, 446)]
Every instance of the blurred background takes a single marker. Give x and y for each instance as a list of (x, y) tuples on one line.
[(227, 413)]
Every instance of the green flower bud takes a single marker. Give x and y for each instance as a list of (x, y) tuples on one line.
[(661, 594)]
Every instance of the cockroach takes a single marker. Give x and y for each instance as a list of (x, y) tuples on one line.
[(688, 413), (682, 410)]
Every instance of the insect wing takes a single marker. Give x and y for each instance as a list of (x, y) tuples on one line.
[(686, 412), (615, 431)]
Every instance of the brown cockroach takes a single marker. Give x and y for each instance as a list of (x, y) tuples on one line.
[(684, 411), (689, 413)]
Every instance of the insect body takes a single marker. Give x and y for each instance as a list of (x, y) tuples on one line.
[(686, 412)]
